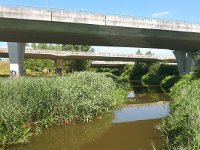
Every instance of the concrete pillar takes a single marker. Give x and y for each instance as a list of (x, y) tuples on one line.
[(181, 60), (59, 66), (185, 61), (16, 56), (190, 62)]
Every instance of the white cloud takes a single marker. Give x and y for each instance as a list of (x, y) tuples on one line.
[(161, 14)]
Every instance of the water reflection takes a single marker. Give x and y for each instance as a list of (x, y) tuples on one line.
[(137, 135), (68, 137), (131, 94), (142, 112)]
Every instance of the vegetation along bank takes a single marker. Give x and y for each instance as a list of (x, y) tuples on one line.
[(29, 104)]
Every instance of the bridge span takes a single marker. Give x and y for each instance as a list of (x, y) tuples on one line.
[(52, 54), (36, 25)]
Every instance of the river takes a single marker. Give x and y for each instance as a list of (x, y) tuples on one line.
[(129, 128)]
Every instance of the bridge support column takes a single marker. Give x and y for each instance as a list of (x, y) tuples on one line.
[(185, 61), (59, 66), (16, 56)]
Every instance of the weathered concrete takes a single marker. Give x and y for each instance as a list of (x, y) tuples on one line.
[(58, 26), (16, 56), (59, 66), (185, 61)]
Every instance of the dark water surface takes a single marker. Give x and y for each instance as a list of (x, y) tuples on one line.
[(130, 128)]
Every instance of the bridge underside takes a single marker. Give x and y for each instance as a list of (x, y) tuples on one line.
[(35, 31)]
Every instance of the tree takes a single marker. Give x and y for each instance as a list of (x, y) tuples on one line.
[(149, 53), (76, 65), (138, 52)]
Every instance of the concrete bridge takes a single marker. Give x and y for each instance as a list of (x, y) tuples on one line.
[(25, 24), (101, 59), (53, 54)]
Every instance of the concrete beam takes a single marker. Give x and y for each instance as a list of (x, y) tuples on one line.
[(59, 66), (32, 25), (16, 56)]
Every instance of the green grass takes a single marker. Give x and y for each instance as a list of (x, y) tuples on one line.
[(29, 104), (4, 68)]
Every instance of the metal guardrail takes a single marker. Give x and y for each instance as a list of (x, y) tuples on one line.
[(103, 14)]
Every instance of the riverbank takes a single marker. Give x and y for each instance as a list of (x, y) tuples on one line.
[(129, 127), (181, 129), (30, 104)]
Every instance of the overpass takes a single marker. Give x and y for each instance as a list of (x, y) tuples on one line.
[(59, 56), (53, 54), (26, 24)]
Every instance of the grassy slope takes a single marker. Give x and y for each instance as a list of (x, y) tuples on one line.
[(4, 68)]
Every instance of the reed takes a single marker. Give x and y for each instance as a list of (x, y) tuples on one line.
[(29, 104)]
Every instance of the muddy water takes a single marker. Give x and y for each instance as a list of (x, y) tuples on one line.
[(129, 128)]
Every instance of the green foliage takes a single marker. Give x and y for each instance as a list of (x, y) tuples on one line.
[(154, 69), (150, 79), (28, 104), (114, 71), (138, 52), (39, 64), (168, 83), (157, 72), (125, 76), (196, 68), (149, 53), (76, 65), (46, 46), (138, 70), (181, 129), (163, 69)]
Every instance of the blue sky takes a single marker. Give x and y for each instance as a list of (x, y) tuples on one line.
[(184, 10)]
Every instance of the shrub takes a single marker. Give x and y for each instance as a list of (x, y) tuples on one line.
[(27, 104), (181, 129), (150, 79), (196, 68), (139, 69), (168, 83), (158, 72)]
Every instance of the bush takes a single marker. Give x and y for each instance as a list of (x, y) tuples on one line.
[(138, 71), (158, 72), (196, 68), (168, 83), (181, 129), (27, 104), (150, 79)]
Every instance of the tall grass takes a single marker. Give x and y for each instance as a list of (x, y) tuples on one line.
[(181, 129), (28, 104)]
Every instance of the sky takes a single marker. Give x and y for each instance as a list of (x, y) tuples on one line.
[(183, 10)]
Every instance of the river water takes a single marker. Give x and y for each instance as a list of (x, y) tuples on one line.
[(129, 128)]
